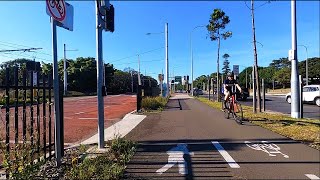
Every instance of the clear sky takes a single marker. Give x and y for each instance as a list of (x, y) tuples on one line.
[(26, 23)]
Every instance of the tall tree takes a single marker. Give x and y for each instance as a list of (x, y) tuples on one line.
[(217, 23), (226, 67)]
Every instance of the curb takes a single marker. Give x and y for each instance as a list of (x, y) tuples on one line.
[(121, 129)]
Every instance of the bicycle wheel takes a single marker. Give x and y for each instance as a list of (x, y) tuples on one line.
[(237, 112), (226, 110)]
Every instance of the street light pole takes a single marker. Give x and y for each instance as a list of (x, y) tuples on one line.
[(167, 59), (65, 73), (191, 51), (295, 105), (307, 75), (64, 70)]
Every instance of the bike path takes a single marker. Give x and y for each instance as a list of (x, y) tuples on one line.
[(190, 140)]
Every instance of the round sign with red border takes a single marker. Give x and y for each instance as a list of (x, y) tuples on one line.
[(57, 9)]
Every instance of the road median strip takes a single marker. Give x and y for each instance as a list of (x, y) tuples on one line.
[(304, 130)]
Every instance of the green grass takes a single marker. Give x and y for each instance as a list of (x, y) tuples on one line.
[(305, 130)]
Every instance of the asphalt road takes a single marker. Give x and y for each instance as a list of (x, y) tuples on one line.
[(279, 104), (190, 140)]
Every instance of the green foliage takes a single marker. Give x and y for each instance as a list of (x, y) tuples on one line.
[(226, 68), (217, 22), (109, 165), (280, 63), (283, 76), (153, 103)]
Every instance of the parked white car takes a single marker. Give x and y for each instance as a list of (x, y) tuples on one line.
[(311, 94)]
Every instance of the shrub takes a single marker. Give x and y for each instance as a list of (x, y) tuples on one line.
[(153, 103)]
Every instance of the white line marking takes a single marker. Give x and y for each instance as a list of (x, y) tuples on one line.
[(232, 163), (87, 118), (312, 176), (79, 113)]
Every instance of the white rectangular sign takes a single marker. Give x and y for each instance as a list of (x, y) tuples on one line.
[(35, 78)]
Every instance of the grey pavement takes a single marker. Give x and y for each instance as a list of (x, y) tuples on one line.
[(190, 140)]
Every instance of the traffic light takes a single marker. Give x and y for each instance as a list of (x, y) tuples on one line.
[(33, 66), (109, 19), (187, 78), (172, 81)]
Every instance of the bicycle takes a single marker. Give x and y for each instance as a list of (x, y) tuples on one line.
[(234, 108)]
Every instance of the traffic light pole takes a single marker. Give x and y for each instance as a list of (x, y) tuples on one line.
[(99, 77)]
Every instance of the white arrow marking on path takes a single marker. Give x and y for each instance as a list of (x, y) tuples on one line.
[(312, 176), (232, 163), (176, 157)]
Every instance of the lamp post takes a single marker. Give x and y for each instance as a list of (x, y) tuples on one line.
[(65, 73), (167, 57), (307, 75), (191, 52)]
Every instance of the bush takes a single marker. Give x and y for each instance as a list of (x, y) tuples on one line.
[(110, 165), (153, 103)]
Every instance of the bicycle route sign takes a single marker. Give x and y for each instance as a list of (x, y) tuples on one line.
[(62, 12)]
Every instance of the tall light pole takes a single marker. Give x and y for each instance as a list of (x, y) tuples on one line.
[(307, 75), (191, 52), (295, 91), (167, 58), (166, 79), (65, 73)]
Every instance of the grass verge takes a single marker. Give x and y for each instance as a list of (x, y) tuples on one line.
[(79, 163), (305, 130)]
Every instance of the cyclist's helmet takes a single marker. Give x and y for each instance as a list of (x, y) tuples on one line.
[(230, 74)]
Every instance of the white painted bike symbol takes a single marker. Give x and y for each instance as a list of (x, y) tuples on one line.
[(267, 147)]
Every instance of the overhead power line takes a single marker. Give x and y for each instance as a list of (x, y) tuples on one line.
[(24, 50)]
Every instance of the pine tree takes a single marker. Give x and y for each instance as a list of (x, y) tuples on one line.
[(226, 68)]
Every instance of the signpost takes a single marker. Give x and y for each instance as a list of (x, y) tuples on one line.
[(236, 70), (178, 79), (61, 14)]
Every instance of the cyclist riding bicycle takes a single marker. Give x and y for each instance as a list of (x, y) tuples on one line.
[(227, 86)]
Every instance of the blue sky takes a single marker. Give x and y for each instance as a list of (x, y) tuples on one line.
[(27, 24)]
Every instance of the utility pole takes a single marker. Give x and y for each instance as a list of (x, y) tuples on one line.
[(131, 82), (99, 27), (218, 59), (167, 59), (295, 105), (64, 70), (247, 78), (257, 84), (139, 76), (161, 83)]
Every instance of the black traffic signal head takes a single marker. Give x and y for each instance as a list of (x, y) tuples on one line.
[(109, 19)]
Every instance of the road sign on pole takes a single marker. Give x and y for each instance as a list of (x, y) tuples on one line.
[(236, 70), (59, 11), (62, 12)]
